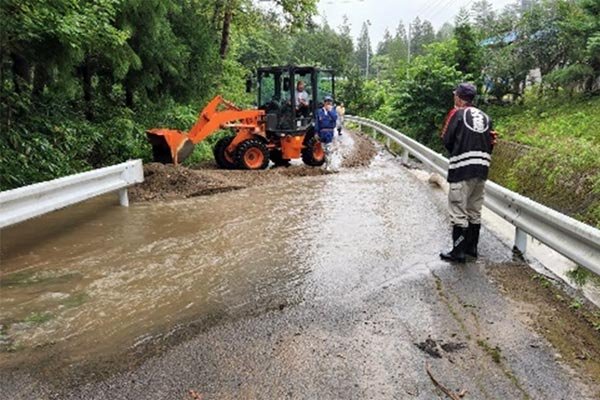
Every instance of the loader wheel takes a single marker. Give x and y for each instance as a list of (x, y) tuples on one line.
[(278, 160), (313, 153), (219, 152), (252, 154)]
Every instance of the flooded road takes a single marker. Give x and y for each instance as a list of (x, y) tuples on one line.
[(321, 287), (98, 276)]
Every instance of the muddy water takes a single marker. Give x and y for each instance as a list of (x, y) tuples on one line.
[(98, 278)]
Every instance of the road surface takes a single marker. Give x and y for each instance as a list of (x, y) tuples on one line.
[(328, 287)]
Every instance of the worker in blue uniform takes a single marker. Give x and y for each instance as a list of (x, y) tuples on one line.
[(325, 126)]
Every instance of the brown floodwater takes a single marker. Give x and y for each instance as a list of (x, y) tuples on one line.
[(98, 278)]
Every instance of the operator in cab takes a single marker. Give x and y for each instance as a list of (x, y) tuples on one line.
[(324, 127), (302, 100)]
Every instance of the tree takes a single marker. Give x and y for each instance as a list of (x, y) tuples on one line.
[(445, 32), (399, 46), (421, 34), (468, 53), (483, 17), (296, 13), (421, 101), (384, 46), (364, 51), (42, 38)]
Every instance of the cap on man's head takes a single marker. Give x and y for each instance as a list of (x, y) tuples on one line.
[(328, 99), (466, 91)]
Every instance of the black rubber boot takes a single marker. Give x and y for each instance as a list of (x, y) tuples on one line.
[(457, 254), (472, 240)]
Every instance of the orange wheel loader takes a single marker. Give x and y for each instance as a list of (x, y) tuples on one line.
[(281, 129)]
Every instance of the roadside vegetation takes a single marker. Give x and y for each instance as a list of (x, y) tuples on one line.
[(556, 141), (81, 81)]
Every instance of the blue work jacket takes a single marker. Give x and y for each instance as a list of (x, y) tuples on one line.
[(325, 124)]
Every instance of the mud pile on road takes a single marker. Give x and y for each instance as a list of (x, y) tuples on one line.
[(362, 152), (167, 182)]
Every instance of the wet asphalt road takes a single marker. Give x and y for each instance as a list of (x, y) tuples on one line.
[(349, 328)]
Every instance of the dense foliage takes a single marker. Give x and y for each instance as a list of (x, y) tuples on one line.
[(81, 80)]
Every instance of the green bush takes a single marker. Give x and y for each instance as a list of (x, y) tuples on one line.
[(422, 100)]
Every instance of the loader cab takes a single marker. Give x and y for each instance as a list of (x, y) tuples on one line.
[(282, 92)]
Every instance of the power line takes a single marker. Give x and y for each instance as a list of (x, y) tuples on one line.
[(443, 7), (448, 3), (429, 7)]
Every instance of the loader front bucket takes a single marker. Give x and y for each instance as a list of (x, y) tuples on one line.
[(169, 146)]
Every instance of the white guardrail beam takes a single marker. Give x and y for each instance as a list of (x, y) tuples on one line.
[(571, 238), (27, 202)]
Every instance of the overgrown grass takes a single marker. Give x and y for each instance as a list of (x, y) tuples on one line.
[(561, 164), (547, 121)]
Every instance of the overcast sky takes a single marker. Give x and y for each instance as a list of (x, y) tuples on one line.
[(387, 13)]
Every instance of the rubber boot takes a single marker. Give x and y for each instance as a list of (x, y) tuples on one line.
[(472, 240), (457, 254)]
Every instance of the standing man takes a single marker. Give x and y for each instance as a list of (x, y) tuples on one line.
[(340, 111), (324, 126), (468, 136)]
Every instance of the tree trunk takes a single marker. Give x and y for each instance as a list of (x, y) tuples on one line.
[(225, 31), (217, 14), (40, 79), (128, 96), (6, 119), (86, 77), (21, 72)]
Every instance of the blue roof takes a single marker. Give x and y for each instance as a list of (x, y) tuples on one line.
[(507, 38)]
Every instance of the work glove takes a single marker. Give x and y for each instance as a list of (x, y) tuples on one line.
[(494, 137)]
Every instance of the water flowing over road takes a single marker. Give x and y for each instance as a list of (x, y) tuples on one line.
[(322, 287)]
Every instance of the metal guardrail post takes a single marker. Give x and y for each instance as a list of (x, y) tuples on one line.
[(123, 198), (405, 156), (387, 143), (520, 246)]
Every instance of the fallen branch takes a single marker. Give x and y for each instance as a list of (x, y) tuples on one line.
[(448, 392)]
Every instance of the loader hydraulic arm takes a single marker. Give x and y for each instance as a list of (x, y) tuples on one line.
[(211, 119), (173, 146)]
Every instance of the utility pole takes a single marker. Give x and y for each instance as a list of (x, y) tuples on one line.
[(408, 52), (367, 69), (368, 50)]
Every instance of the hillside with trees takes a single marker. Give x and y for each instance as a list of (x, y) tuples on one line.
[(83, 80)]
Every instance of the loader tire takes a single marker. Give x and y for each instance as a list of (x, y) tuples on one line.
[(252, 154), (313, 153), (278, 160), (219, 153)]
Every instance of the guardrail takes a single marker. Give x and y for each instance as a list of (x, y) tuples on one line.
[(27, 202), (571, 238)]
